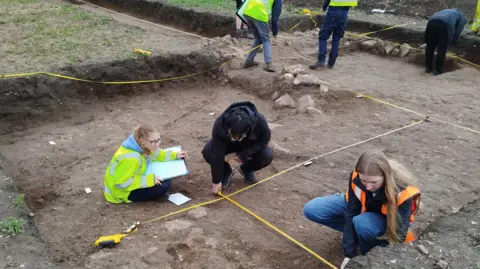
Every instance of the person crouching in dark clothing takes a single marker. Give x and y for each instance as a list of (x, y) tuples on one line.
[(443, 28), (241, 129)]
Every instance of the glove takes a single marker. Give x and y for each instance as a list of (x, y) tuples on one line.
[(344, 263)]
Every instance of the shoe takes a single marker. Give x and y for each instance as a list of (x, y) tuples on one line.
[(246, 34), (436, 73), (239, 33), (248, 176), (317, 65), (226, 180), (249, 64), (330, 67), (269, 68), (428, 70)]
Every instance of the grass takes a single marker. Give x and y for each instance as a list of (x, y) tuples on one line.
[(11, 225), (207, 5), (40, 33), (19, 202)]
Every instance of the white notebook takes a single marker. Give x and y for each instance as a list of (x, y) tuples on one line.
[(170, 169)]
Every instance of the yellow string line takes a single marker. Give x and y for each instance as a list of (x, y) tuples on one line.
[(284, 234), (283, 172), (415, 112), (381, 30), (149, 22), (125, 82)]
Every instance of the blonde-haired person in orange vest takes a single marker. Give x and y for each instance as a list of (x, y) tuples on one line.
[(377, 209)]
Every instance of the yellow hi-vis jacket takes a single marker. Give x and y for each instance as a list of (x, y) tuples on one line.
[(126, 172), (343, 3), (476, 20), (257, 9)]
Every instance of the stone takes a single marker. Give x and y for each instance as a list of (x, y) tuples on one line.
[(369, 44), (395, 52), (404, 50), (298, 33), (347, 44), (295, 70), (441, 264), (323, 88), (198, 213), (422, 249), (285, 101), (227, 39), (275, 95), (31, 214), (305, 102), (380, 46), (177, 225), (289, 78), (306, 80), (288, 43), (235, 40), (389, 47)]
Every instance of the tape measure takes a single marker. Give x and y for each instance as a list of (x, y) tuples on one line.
[(112, 240)]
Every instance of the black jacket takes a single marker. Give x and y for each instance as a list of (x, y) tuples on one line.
[(255, 141), (373, 204), (454, 20)]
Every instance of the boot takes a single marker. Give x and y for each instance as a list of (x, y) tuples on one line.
[(239, 33), (249, 64), (246, 33), (269, 68), (317, 65), (248, 175)]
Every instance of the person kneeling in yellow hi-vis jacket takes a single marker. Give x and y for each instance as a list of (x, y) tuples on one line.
[(125, 178)]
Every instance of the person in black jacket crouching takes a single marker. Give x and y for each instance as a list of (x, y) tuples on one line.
[(241, 129)]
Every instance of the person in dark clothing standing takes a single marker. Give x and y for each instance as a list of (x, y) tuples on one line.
[(243, 130), (443, 28), (335, 22)]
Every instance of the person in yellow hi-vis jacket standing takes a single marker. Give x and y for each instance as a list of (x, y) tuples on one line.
[(125, 178), (476, 20)]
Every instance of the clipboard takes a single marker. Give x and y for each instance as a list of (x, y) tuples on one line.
[(168, 170)]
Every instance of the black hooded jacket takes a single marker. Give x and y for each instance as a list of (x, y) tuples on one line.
[(256, 140)]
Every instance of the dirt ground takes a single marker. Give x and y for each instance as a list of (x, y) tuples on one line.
[(69, 220), (413, 8)]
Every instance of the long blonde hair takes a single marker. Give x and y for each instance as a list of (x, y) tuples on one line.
[(141, 133), (396, 176)]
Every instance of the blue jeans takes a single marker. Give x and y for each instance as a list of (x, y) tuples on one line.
[(334, 22), (261, 33), (329, 212)]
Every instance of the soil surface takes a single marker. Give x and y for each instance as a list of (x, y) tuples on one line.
[(54, 177), (413, 8)]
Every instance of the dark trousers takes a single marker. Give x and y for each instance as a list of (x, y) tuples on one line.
[(152, 193), (335, 22), (253, 163), (436, 36)]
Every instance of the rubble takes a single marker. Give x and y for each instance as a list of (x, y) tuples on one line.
[(285, 101)]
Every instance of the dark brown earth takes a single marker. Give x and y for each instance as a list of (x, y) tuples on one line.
[(87, 128), (414, 8)]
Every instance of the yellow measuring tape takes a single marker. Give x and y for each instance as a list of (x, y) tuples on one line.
[(125, 82), (276, 229)]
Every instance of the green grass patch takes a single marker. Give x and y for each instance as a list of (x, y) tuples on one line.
[(19, 201), (11, 225), (207, 5), (43, 34)]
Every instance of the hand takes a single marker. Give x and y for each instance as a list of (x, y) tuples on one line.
[(237, 159), (216, 188), (181, 155), (158, 181), (344, 263)]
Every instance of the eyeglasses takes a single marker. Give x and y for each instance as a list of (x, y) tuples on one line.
[(154, 142)]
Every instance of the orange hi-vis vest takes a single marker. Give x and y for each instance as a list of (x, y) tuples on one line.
[(407, 193)]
